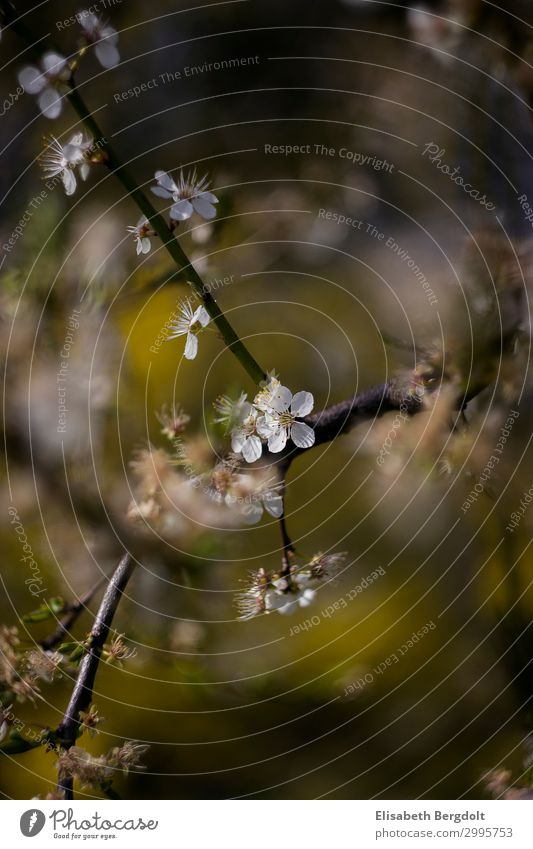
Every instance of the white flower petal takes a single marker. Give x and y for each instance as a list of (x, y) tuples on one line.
[(278, 441), (73, 153), (54, 64), (238, 439), (252, 449), (69, 181), (252, 512), (191, 346), (202, 316), (273, 504), (166, 181), (50, 102), (289, 606), (76, 140), (88, 21), (160, 192), (302, 404), (181, 210), (109, 34), (266, 426), (84, 170), (276, 601), (281, 399), (306, 597), (145, 245), (31, 79), (203, 207), (302, 435), (107, 54)]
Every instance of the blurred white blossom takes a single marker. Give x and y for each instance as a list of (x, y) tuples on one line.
[(286, 592), (104, 38), (48, 83)]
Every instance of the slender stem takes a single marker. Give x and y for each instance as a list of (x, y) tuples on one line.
[(82, 693), (157, 222), (172, 245), (288, 549)]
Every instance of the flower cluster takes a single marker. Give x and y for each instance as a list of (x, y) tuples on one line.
[(102, 36), (286, 592), (44, 665), (271, 418), (98, 772), (501, 784), (20, 670), (50, 82), (249, 495)]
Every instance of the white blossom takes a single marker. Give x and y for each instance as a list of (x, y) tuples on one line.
[(59, 160), (140, 234), (272, 396), (48, 84), (279, 423), (230, 412), (104, 38), (189, 324), (244, 437), (189, 195), (287, 592)]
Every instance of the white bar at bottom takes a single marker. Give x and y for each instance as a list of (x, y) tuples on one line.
[(266, 824)]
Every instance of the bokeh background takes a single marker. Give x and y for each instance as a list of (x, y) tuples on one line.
[(253, 709)]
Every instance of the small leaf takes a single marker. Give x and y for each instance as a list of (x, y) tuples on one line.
[(49, 608), (67, 648)]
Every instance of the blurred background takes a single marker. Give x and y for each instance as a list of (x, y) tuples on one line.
[(378, 103)]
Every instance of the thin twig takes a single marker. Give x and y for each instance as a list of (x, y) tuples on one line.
[(82, 693), (288, 549)]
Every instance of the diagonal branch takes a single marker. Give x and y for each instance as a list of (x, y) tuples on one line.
[(82, 693), (185, 268), (72, 613), (342, 417)]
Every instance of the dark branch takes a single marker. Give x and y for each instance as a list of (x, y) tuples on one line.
[(82, 694), (342, 417), (72, 613)]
